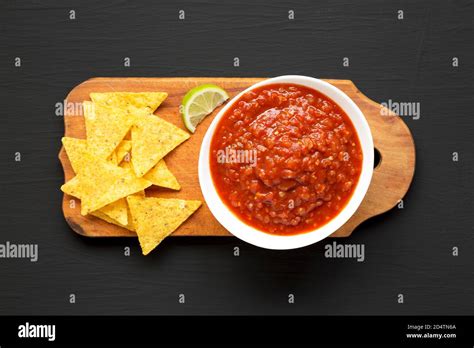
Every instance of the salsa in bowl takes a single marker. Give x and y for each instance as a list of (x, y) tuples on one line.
[(286, 162)]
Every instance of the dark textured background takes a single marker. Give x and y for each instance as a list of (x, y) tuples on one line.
[(408, 251)]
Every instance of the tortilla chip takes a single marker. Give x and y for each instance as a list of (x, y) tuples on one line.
[(157, 218), (129, 226), (160, 175), (72, 187), (104, 217), (126, 185), (152, 139), (102, 183), (113, 158), (75, 149), (116, 211), (122, 150), (126, 165), (131, 101), (106, 127)]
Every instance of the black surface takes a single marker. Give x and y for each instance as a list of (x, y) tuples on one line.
[(408, 251)]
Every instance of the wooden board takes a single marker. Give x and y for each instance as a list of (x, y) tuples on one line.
[(390, 182)]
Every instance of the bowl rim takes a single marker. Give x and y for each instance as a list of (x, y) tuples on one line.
[(256, 237)]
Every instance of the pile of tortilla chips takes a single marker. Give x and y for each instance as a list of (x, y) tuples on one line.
[(121, 157)]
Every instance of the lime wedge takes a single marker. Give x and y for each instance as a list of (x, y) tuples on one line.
[(200, 102)]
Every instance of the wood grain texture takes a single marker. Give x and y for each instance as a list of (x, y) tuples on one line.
[(390, 182)]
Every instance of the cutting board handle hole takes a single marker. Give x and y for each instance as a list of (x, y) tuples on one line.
[(377, 158)]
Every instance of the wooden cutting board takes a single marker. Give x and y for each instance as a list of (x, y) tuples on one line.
[(390, 181)]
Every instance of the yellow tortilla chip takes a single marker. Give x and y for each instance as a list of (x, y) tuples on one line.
[(122, 150), (113, 158), (131, 101), (102, 183), (127, 184), (126, 165), (75, 149), (160, 175), (117, 211), (104, 217), (106, 127), (157, 218), (72, 187), (129, 226), (152, 139)]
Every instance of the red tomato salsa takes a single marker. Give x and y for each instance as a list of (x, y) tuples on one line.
[(285, 159)]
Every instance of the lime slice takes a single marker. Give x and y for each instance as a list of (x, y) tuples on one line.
[(200, 102)]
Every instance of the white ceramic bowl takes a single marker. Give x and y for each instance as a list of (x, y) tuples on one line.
[(256, 237)]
